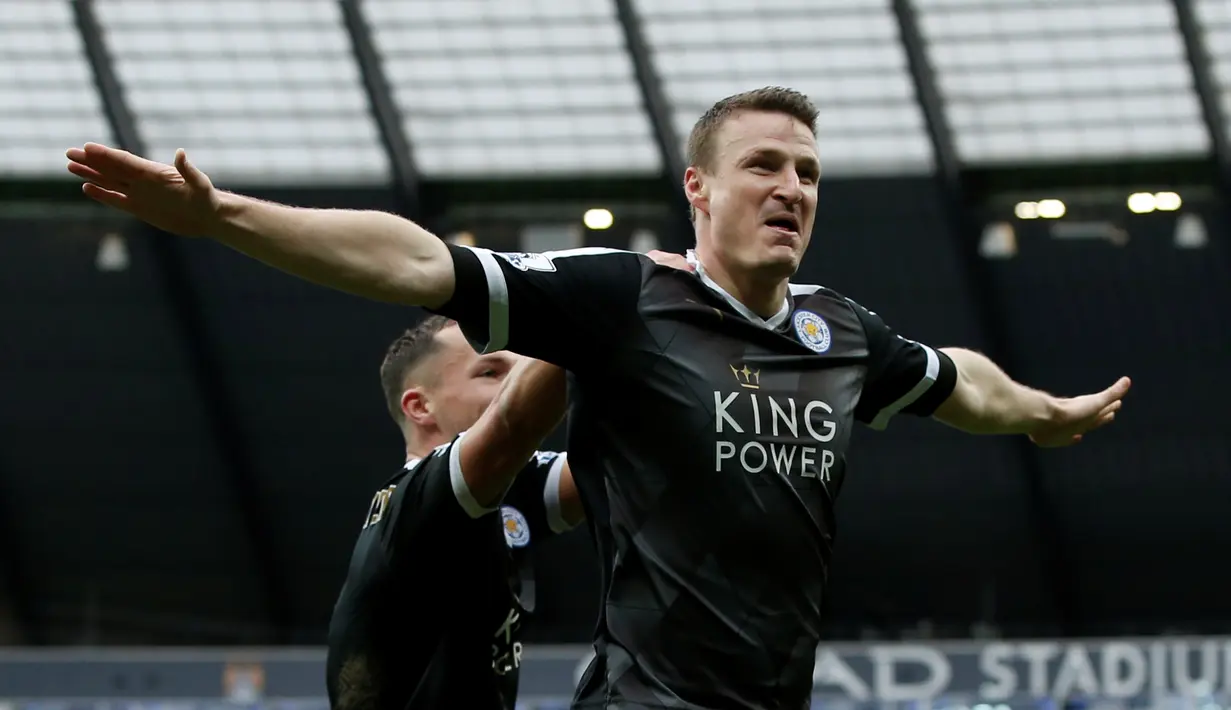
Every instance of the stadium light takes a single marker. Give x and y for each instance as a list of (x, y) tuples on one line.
[(597, 219), (1142, 203), (1167, 201), (112, 253), (999, 241), (1026, 210), (1051, 209)]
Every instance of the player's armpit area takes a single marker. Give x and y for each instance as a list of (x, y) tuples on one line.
[(485, 461)]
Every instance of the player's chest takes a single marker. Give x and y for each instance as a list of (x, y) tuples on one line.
[(801, 379), (756, 404)]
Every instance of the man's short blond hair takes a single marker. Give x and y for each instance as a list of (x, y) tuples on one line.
[(774, 99)]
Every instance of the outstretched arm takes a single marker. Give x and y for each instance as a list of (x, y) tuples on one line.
[(539, 305), (968, 391), (370, 254), (985, 400), (530, 406)]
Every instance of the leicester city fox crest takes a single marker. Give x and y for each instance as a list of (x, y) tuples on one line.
[(516, 529), (813, 331)]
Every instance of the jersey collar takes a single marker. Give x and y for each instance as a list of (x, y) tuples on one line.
[(771, 323)]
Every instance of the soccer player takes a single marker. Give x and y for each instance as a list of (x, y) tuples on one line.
[(711, 411), (431, 612)]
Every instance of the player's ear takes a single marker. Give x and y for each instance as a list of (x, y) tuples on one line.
[(696, 189), (417, 407)]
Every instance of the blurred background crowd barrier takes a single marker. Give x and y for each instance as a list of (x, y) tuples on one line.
[(995, 675)]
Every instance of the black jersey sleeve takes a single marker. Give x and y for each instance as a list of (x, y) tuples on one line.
[(434, 499), (431, 498), (536, 494), (903, 375), (564, 307)]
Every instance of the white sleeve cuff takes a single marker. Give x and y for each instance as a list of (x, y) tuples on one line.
[(498, 303), (460, 490), (551, 497), (923, 385)]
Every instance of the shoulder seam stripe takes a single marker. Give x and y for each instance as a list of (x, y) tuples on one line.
[(583, 251)]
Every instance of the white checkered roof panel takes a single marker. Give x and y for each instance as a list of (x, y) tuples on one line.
[(514, 87), (1214, 16), (48, 101), (844, 54), (1047, 80), (257, 91)]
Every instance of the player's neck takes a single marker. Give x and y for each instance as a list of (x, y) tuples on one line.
[(418, 447), (762, 295)]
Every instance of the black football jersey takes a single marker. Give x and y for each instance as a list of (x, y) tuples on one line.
[(431, 614), (709, 446)]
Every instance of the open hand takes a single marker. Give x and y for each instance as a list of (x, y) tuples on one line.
[(174, 198), (1075, 416)]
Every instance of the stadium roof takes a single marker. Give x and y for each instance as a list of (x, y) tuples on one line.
[(282, 91)]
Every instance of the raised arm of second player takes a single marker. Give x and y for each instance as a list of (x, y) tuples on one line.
[(530, 405)]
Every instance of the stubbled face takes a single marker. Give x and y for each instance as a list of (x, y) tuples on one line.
[(759, 193), (463, 383)]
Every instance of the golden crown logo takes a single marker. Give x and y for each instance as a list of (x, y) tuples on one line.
[(747, 377)]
